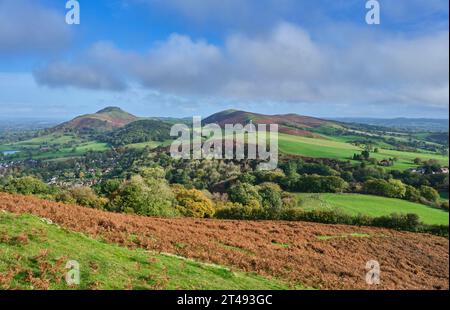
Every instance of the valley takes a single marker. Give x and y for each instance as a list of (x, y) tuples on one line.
[(105, 183)]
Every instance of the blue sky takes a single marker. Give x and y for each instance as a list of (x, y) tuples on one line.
[(197, 57)]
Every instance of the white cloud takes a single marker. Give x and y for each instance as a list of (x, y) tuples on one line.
[(89, 76), (284, 65), (27, 27)]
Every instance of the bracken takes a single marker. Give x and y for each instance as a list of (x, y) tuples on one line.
[(408, 260)]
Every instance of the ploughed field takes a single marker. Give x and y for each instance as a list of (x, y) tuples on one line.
[(307, 254)]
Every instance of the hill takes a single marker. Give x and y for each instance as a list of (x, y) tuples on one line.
[(310, 254), (401, 123), (34, 252), (103, 120), (138, 132), (292, 124)]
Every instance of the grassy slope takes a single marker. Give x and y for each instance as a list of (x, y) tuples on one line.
[(323, 148), (149, 144), (355, 204), (62, 141), (102, 265)]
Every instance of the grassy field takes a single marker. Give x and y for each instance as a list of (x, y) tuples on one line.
[(321, 148), (150, 144), (54, 146), (374, 206), (47, 140), (336, 149), (33, 255)]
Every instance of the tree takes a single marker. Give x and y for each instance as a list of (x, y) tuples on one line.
[(83, 196), (412, 194), (429, 193), (271, 196), (110, 187), (27, 185), (269, 176), (379, 187), (365, 154), (247, 177), (245, 194), (417, 161), (193, 203), (397, 189), (151, 197), (444, 205), (320, 184)]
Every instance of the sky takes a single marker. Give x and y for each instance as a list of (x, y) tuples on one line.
[(183, 58)]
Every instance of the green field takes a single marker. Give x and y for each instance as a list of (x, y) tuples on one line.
[(47, 140), (319, 148), (150, 144), (54, 146), (335, 149), (374, 206), (32, 247)]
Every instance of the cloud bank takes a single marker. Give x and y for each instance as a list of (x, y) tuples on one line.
[(26, 27), (284, 64)]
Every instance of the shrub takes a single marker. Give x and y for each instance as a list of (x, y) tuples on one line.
[(245, 194), (192, 202), (397, 189), (110, 187), (247, 177), (407, 222), (239, 212), (444, 206), (320, 184), (289, 200), (151, 197), (429, 193), (269, 176), (412, 194), (271, 196), (83, 196), (26, 186), (379, 187), (317, 216)]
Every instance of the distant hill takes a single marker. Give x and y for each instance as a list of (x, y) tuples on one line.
[(289, 123), (104, 120), (401, 123)]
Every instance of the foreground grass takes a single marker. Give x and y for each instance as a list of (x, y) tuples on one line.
[(33, 255), (374, 206)]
